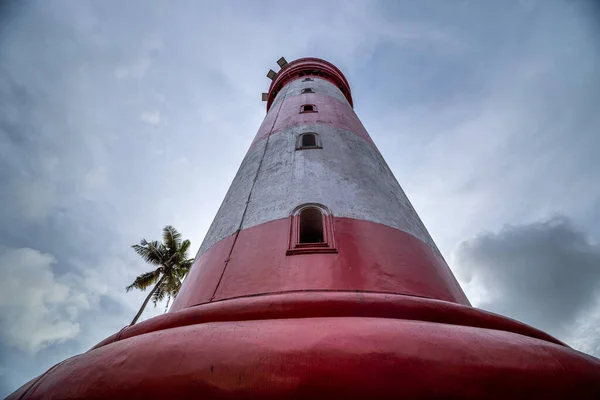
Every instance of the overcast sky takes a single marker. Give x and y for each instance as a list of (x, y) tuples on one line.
[(119, 117)]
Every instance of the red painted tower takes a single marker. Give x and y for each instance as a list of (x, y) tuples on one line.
[(317, 279)]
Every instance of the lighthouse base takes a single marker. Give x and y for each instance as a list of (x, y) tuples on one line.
[(310, 345)]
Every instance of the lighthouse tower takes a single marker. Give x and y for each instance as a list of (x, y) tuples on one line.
[(317, 279)]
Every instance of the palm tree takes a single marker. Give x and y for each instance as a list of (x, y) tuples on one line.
[(172, 266)]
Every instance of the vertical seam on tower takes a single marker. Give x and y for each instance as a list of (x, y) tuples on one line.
[(237, 232)]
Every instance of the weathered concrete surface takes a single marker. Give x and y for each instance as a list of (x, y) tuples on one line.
[(348, 174)]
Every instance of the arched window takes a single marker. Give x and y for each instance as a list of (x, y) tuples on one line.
[(311, 226), (307, 80), (308, 140), (311, 230), (307, 90), (308, 108)]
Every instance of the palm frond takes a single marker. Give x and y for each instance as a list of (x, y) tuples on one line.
[(171, 238), (185, 245), (184, 268), (144, 280), (159, 294), (152, 252), (173, 260), (175, 286)]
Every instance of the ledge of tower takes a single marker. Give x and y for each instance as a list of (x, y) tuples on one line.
[(308, 67)]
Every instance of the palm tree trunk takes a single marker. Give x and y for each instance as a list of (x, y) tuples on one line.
[(137, 316)]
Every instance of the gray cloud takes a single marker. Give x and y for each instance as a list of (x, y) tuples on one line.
[(546, 274)]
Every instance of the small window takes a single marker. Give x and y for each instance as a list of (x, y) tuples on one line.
[(308, 140), (307, 80), (307, 90), (311, 230), (311, 226), (308, 108)]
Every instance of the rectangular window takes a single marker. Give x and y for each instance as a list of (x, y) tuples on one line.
[(308, 108), (308, 140)]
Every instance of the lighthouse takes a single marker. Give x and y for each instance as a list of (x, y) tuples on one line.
[(317, 279)]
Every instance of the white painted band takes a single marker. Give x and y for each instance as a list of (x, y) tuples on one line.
[(348, 175)]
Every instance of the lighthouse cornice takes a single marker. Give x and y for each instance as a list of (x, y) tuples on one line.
[(308, 68)]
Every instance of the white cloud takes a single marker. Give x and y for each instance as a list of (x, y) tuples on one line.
[(95, 180), (151, 117), (135, 69), (38, 308), (585, 335), (138, 67), (153, 43), (35, 199)]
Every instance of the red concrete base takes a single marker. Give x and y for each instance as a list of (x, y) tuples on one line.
[(324, 345)]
